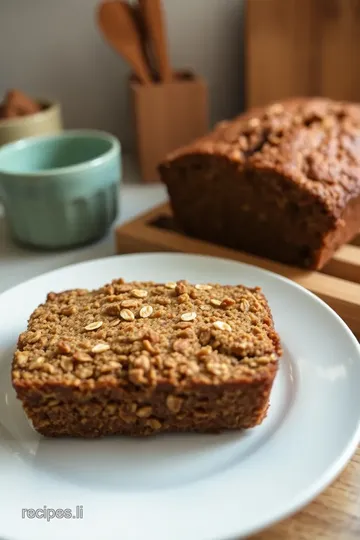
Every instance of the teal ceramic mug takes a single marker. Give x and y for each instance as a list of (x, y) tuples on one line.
[(60, 190)]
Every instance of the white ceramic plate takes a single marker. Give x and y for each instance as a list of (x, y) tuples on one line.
[(211, 487)]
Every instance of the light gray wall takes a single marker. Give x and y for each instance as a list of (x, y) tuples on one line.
[(53, 48)]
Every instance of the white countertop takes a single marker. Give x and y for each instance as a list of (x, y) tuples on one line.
[(18, 264)]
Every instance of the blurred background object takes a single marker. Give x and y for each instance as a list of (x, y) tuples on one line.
[(152, 15), (292, 47), (170, 108), (22, 116), (301, 48), (60, 190), (167, 115), (16, 103), (62, 54), (120, 29)]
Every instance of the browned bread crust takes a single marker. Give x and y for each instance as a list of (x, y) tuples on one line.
[(281, 182), (141, 358)]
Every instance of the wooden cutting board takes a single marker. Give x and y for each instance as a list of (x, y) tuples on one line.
[(301, 47)]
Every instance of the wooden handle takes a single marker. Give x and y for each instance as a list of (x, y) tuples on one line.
[(143, 68), (117, 23), (144, 37), (328, 9), (355, 6), (155, 24)]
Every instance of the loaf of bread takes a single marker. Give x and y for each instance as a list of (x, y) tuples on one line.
[(143, 358), (281, 182)]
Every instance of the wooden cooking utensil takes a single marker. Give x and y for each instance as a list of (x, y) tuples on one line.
[(144, 37), (154, 20), (116, 21)]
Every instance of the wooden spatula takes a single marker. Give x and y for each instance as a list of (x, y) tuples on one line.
[(116, 21), (154, 20), (144, 37)]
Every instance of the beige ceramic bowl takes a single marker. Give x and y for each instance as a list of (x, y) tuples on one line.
[(48, 120)]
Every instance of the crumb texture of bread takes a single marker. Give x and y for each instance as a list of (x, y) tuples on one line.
[(281, 182), (141, 357)]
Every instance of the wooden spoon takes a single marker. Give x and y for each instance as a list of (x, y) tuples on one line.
[(144, 37), (154, 20), (115, 20)]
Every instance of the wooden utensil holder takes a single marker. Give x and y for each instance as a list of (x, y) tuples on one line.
[(167, 116)]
